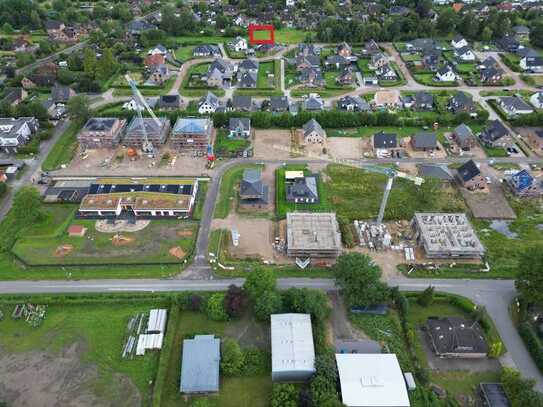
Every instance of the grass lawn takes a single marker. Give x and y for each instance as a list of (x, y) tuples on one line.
[(357, 194), (263, 80), (281, 204), (494, 151), (200, 199), (234, 392), (370, 131), (532, 80), (100, 328), (290, 35), (201, 39), (228, 147), (150, 245), (192, 86), (428, 79), (184, 53), (63, 151), (228, 189), (325, 93)]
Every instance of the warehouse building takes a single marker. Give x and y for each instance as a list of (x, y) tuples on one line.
[(293, 354), (313, 235), (446, 236), (371, 380), (200, 364)]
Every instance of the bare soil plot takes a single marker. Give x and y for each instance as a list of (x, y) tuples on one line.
[(490, 204), (346, 147), (265, 140), (41, 378)]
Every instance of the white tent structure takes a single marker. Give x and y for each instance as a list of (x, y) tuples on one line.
[(371, 380)]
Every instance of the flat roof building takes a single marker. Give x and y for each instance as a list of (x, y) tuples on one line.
[(313, 235), (293, 353), (200, 364), (371, 380), (447, 235)]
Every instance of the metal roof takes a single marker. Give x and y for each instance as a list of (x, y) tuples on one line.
[(292, 343), (200, 364)]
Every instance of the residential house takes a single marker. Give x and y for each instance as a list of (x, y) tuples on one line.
[(208, 103), (456, 337), (242, 103), (336, 62), (440, 172), (386, 143), (469, 176), (252, 191), (15, 133), (279, 104), (370, 48), (508, 44), (238, 44), (313, 103), (344, 50), (353, 104), (462, 103), (54, 111), (465, 54), (54, 27), (422, 45), (101, 132), (389, 98), (459, 42), (537, 100), (514, 105), (491, 76), (399, 11), (153, 60), (386, 73), (220, 72), (239, 127), (345, 77), (206, 50), (423, 101), (445, 74), (158, 49), (61, 93), (527, 52), (156, 131), (311, 77), (307, 61), (496, 135), (301, 188), (27, 84), (463, 137), (424, 141), (532, 64), (158, 74), (430, 60), (247, 80), (136, 27), (521, 32), (524, 184), (169, 102), (192, 134), (535, 138), (248, 65), (313, 133), (133, 104), (377, 60), (14, 96)]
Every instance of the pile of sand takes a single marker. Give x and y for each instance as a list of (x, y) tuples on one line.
[(64, 250), (185, 233), (121, 240), (177, 252)]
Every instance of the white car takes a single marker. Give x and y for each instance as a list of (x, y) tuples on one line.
[(488, 180)]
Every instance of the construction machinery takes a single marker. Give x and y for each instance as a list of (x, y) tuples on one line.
[(389, 172), (147, 147)]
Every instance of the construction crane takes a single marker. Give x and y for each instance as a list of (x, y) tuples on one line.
[(389, 172), (147, 147)]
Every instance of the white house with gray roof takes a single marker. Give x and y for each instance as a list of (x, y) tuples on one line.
[(15, 133), (313, 132), (239, 127)]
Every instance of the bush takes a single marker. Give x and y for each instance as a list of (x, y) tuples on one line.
[(232, 358), (284, 395), (269, 303), (256, 362), (215, 308), (426, 298), (533, 343), (347, 235), (195, 302), (235, 301)]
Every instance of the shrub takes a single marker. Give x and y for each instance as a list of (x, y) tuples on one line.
[(195, 302), (533, 343), (284, 395), (232, 358), (255, 362), (215, 308), (426, 298), (270, 302), (235, 301)]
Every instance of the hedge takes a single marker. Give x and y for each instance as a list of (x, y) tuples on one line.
[(533, 343)]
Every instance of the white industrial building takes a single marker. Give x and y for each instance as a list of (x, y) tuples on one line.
[(153, 337), (371, 380), (293, 353)]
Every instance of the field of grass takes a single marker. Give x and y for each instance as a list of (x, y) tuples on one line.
[(281, 204), (370, 131), (357, 194), (184, 53), (228, 190), (100, 328), (150, 245), (64, 149), (290, 36), (201, 39), (200, 200), (532, 80), (225, 146), (428, 79), (234, 392)]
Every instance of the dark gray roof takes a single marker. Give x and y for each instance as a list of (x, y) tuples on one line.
[(100, 123), (424, 98), (359, 104), (313, 125), (456, 335), (443, 70), (463, 132), (247, 80), (494, 131), (169, 101), (249, 64), (242, 102), (534, 61), (468, 171), (440, 172), (305, 188), (514, 102), (489, 62), (312, 103), (210, 99), (385, 140), (527, 52), (251, 183), (279, 103), (424, 140), (239, 122), (200, 364), (61, 93)]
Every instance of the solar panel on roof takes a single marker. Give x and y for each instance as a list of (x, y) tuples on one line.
[(172, 189), (93, 189), (186, 189)]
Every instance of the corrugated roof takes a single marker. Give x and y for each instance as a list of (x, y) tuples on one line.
[(292, 343), (200, 364)]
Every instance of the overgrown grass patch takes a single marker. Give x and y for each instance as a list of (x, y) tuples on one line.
[(64, 149)]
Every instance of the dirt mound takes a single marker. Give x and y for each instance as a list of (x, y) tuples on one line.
[(185, 233), (177, 252), (121, 240), (63, 250)]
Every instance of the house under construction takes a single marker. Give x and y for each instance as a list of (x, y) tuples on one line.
[(313, 235), (446, 236)]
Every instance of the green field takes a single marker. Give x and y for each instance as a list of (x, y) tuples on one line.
[(228, 147), (184, 53), (150, 245), (99, 329), (428, 79), (290, 36), (357, 194), (63, 150)]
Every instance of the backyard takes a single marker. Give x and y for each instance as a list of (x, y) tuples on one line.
[(229, 147)]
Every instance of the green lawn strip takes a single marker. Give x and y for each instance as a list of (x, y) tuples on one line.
[(264, 69), (532, 80), (201, 39), (291, 35), (428, 79), (357, 194), (200, 200), (184, 53), (228, 189), (281, 204), (462, 382), (237, 391), (225, 146), (100, 328), (150, 245), (64, 149)]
